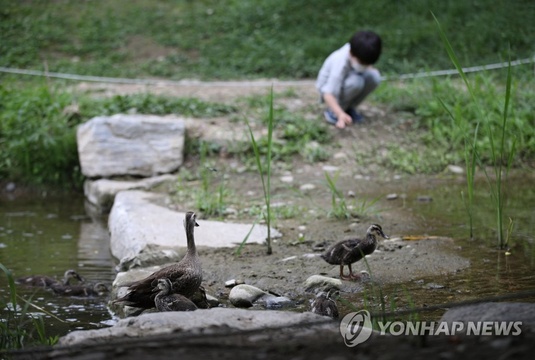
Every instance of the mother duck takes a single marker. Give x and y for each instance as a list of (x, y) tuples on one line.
[(185, 276)]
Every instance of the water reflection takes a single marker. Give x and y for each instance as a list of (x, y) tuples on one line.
[(47, 236)]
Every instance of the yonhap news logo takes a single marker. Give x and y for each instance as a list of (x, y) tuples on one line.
[(356, 328)]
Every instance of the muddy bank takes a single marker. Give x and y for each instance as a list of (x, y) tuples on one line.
[(292, 262), (285, 271)]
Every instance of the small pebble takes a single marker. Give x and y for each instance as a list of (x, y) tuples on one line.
[(287, 179), (233, 282), (330, 168), (307, 187), (10, 187), (424, 198)]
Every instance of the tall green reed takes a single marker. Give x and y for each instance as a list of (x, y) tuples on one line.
[(502, 162), (501, 156), (266, 180), (339, 208), (18, 328)]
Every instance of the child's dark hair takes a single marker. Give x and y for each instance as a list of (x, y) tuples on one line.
[(366, 46)]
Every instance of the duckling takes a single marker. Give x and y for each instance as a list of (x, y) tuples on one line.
[(165, 300), (200, 299), (186, 275), (97, 289), (324, 304), (47, 281), (347, 252)]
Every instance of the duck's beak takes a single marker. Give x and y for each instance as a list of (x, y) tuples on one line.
[(79, 278), (384, 235), (196, 223)]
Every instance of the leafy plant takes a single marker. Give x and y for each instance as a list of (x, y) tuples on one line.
[(37, 139), (365, 207), (207, 197), (147, 103)]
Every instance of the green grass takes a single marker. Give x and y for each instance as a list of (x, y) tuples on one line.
[(38, 135), (264, 168), (19, 328), (497, 131), (264, 38)]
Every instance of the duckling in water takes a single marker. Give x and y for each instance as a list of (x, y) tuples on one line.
[(347, 252), (325, 305), (47, 281), (186, 275), (166, 300), (97, 289)]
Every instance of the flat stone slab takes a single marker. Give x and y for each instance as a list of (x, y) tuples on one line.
[(206, 321), (136, 221), (130, 144), (102, 192)]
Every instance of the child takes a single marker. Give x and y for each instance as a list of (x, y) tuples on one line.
[(347, 77)]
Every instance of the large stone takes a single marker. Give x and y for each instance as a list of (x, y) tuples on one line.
[(322, 282), (244, 295), (493, 312), (101, 192), (192, 322), (139, 145), (136, 221)]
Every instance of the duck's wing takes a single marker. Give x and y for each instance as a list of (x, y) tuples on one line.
[(174, 273), (180, 303), (36, 280)]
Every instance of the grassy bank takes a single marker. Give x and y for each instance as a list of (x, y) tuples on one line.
[(238, 40), (263, 38)]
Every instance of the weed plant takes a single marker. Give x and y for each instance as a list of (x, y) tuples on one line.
[(152, 104), (266, 180), (377, 302), (339, 208), (19, 328), (206, 200), (206, 188), (501, 154)]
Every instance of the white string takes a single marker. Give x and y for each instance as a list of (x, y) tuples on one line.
[(104, 79), (466, 70)]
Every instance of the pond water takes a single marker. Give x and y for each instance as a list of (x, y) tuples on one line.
[(50, 234)]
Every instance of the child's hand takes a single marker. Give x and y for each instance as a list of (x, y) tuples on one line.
[(343, 120)]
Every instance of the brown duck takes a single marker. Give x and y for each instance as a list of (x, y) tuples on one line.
[(185, 276), (96, 289), (324, 304), (347, 252), (47, 281), (166, 300)]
